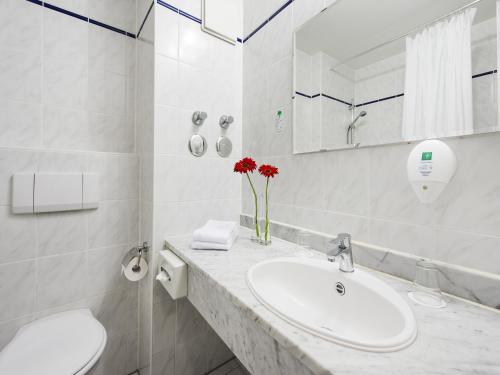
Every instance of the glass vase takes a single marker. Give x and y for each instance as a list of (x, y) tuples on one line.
[(265, 232), (255, 236)]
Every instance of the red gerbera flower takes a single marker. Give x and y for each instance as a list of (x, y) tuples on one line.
[(245, 165), (267, 170)]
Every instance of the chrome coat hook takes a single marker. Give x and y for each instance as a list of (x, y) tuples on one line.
[(225, 121), (199, 117)]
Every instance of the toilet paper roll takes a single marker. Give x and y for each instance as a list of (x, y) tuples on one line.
[(135, 276)]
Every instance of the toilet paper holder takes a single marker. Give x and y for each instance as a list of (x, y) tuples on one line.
[(136, 251)]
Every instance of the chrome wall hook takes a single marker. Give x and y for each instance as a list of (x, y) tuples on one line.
[(225, 121), (199, 118)]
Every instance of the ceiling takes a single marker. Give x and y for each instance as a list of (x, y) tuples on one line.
[(351, 27)]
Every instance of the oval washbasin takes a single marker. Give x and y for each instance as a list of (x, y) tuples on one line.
[(353, 309)]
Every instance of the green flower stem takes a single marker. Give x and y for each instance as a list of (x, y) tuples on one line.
[(266, 235), (256, 209)]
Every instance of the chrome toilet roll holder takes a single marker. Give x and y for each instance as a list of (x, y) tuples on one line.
[(136, 251)]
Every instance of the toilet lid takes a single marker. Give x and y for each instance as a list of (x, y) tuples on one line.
[(60, 344)]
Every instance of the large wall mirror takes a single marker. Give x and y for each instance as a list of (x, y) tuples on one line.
[(370, 73)]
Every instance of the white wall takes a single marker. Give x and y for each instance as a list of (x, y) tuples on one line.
[(194, 71), (67, 104), (364, 192)]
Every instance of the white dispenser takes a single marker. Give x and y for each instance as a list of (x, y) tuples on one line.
[(431, 165), (172, 274)]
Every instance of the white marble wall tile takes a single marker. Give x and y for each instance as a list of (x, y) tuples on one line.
[(304, 10), (65, 84), (166, 81), (190, 357), (61, 279), (107, 92), (21, 124), (256, 95), (195, 46), (65, 128), (391, 196), (116, 310), (109, 224), (473, 187), (167, 33), (280, 84), (280, 26), (163, 363), (255, 54), (21, 26), (111, 133), (192, 7), (76, 6), (254, 15), (104, 269), (107, 50), (468, 250), (65, 38), (118, 175), (346, 182), (164, 324), (335, 223), (20, 75), (412, 239), (194, 90), (60, 161), (60, 233), (311, 193), (117, 13), (17, 287)]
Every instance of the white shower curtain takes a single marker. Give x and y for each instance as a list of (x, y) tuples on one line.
[(438, 82)]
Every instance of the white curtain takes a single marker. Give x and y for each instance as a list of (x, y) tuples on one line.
[(438, 82)]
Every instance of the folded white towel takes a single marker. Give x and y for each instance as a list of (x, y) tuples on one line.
[(219, 232), (197, 245)]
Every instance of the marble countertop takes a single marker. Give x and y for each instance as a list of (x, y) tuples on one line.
[(463, 338)]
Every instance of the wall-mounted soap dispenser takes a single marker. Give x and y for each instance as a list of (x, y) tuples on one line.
[(431, 165)]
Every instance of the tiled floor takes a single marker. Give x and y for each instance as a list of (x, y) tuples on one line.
[(233, 367)]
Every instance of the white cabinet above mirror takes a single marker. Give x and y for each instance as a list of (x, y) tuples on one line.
[(374, 73)]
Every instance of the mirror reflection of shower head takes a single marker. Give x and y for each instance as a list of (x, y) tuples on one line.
[(361, 114), (351, 127)]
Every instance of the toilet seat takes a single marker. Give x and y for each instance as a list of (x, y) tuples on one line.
[(68, 343)]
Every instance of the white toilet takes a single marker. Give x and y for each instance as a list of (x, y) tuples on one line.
[(68, 343)]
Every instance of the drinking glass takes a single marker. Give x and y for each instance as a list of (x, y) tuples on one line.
[(426, 283)]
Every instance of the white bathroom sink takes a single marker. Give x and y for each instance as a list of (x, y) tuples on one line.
[(353, 309)]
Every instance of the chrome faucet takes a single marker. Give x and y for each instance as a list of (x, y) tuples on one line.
[(342, 248)]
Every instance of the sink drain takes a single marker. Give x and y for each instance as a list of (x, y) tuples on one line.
[(340, 288)]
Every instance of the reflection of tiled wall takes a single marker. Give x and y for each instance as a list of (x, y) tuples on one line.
[(379, 89), (67, 88), (366, 191), (193, 72)]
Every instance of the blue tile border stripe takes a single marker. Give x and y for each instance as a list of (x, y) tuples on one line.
[(484, 74), (179, 11), (267, 20), (377, 100), (66, 12), (145, 19), (82, 18), (186, 14)]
